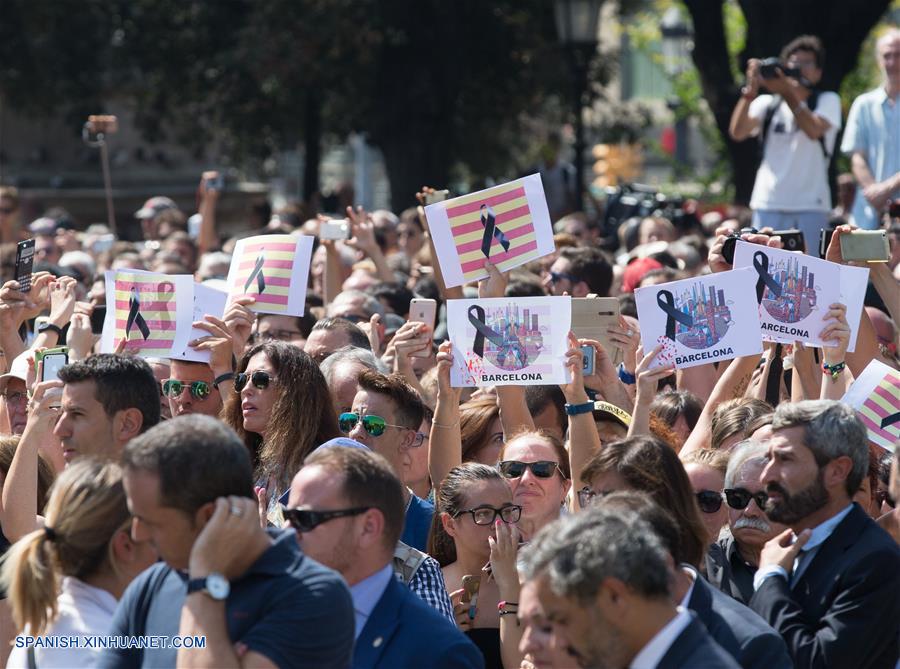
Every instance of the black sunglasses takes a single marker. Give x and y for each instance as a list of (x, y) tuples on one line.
[(306, 520), (709, 501), (543, 469), (259, 379), (739, 498), (486, 514), (556, 277)]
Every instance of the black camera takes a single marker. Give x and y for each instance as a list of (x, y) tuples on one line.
[(791, 240), (731, 240), (769, 68)]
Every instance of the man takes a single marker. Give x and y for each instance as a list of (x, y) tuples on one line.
[(872, 141), (149, 215), (386, 415), (579, 271), (341, 370), (14, 395), (797, 126), (731, 563), (291, 329), (348, 509), (831, 583), (603, 580), (252, 594), (558, 179), (192, 388), (160, 368), (107, 400), (330, 334), (355, 306)]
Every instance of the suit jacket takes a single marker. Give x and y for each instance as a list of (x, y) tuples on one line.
[(738, 630), (695, 648), (727, 571), (844, 610), (404, 632)]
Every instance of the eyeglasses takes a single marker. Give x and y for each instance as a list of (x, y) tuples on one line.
[(709, 501), (556, 277), (587, 497), (277, 335), (173, 388), (306, 520), (15, 398), (739, 498), (372, 424), (543, 469), (486, 515), (419, 439), (882, 496), (259, 379)]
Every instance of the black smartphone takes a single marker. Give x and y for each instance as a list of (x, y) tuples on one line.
[(24, 264), (98, 315), (825, 235)]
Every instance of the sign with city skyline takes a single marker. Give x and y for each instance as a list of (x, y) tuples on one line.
[(700, 320)]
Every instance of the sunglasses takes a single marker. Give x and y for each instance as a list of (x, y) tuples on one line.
[(709, 501), (173, 388), (486, 515), (260, 380), (739, 498), (543, 469), (556, 277), (882, 496), (373, 425), (306, 520)]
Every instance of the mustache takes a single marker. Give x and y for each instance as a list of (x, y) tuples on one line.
[(751, 523)]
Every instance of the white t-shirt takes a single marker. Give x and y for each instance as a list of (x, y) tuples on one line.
[(793, 175)]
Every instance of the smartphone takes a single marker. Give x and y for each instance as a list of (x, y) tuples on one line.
[(791, 240), (825, 235), (335, 229), (587, 366), (98, 315), (591, 316), (866, 245), (54, 359), (437, 196), (103, 243), (24, 263), (471, 585), (423, 311), (216, 181)]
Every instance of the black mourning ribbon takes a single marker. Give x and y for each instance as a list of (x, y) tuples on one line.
[(482, 331), (765, 280), (666, 301), (890, 420), (257, 274), (491, 229), (134, 315)]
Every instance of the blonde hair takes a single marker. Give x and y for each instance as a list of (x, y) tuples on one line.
[(86, 509)]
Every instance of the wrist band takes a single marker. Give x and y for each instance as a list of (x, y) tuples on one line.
[(834, 370), (625, 377), (575, 409), (448, 426), (227, 376), (508, 608)]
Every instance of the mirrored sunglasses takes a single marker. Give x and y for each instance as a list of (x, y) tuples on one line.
[(173, 388)]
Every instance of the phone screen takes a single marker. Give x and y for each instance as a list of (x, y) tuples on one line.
[(24, 263), (52, 364)]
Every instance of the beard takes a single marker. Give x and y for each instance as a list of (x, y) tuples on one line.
[(605, 649), (793, 508)]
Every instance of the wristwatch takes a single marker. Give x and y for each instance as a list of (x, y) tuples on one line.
[(43, 327), (214, 585)]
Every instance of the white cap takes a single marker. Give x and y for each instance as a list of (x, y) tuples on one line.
[(18, 369)]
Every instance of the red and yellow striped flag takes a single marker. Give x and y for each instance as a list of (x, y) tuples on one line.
[(144, 312)]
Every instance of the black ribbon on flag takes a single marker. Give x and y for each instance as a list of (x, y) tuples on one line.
[(491, 230), (257, 274), (134, 315), (765, 280), (666, 301), (482, 331), (890, 420)]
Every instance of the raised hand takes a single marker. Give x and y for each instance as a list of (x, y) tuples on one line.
[(495, 284), (219, 342), (239, 320)]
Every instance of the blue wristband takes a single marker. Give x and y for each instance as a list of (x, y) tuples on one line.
[(575, 409), (624, 376)]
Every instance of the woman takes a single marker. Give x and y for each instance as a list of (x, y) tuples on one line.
[(282, 409), (706, 471), (65, 578), (731, 418), (481, 431), (474, 528)]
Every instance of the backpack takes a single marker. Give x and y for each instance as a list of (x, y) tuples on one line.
[(407, 561), (776, 101)]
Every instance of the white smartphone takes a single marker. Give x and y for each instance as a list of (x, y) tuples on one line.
[(335, 229), (422, 310)]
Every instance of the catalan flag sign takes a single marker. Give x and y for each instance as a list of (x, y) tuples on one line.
[(274, 270), (151, 311), (508, 225), (876, 397)]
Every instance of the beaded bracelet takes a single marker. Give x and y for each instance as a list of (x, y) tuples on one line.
[(834, 370)]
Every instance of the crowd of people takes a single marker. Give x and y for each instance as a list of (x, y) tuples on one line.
[(319, 494)]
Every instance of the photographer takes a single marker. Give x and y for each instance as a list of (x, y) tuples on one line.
[(796, 125)]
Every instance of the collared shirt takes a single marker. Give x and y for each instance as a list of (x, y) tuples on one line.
[(820, 534), (366, 594), (653, 653), (690, 590), (873, 128), (428, 583)]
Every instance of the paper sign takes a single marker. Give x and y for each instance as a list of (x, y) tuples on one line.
[(854, 281), (508, 224), (509, 341), (793, 291), (151, 310), (876, 397), (273, 269), (207, 301), (700, 320)]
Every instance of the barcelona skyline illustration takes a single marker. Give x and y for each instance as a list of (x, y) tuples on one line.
[(798, 293), (523, 340), (710, 313)]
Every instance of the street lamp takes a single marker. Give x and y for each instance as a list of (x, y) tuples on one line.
[(576, 26), (677, 42)]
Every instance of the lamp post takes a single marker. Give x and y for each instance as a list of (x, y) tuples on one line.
[(677, 42), (576, 26)]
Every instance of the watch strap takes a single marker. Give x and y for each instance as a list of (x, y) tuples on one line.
[(43, 327), (222, 378), (196, 585), (576, 409)]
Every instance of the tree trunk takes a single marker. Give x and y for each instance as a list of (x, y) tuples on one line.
[(312, 142)]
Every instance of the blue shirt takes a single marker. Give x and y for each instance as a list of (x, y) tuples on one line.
[(873, 129), (366, 594), (418, 523), (286, 606)]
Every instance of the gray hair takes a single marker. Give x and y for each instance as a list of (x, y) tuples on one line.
[(209, 261), (578, 552), (79, 260), (745, 452), (832, 430), (370, 304), (351, 355)]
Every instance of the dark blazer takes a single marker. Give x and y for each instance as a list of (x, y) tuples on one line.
[(403, 631), (740, 632), (695, 648), (844, 610)]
